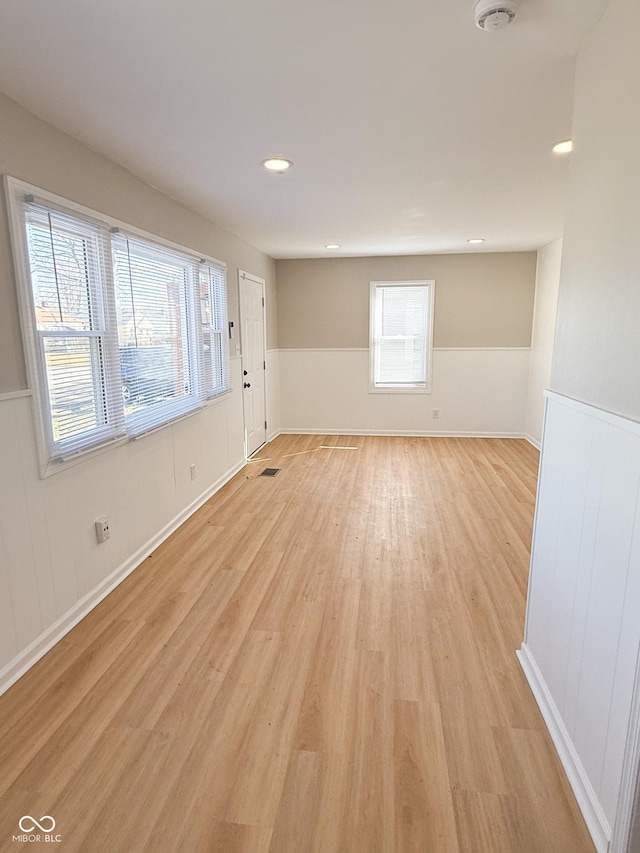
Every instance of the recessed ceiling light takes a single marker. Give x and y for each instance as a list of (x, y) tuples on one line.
[(277, 164), (564, 147), (332, 245), (475, 240)]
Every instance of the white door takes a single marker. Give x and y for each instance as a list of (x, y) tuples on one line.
[(253, 360)]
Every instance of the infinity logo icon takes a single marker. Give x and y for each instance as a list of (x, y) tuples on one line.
[(28, 823)]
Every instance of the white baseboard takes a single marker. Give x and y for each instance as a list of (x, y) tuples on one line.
[(621, 840), (400, 432), (590, 807), (534, 441), (41, 645)]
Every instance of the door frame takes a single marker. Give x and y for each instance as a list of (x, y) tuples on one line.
[(242, 276)]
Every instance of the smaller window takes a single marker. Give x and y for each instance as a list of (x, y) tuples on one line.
[(401, 331)]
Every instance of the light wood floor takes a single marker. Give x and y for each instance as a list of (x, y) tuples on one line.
[(322, 662)]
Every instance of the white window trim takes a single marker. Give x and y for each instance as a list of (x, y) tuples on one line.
[(15, 191), (375, 389)]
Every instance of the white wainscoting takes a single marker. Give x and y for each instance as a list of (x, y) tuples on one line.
[(52, 571), (583, 615), (479, 392), (273, 394)]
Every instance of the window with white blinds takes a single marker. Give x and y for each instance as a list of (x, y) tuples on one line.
[(124, 334), (156, 334), (213, 321), (68, 259), (400, 335)]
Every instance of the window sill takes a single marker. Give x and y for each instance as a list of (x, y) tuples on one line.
[(49, 467), (399, 390)]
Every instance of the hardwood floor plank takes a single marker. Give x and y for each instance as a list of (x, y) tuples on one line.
[(128, 800), (325, 719), (424, 816), (490, 823), (375, 613), (369, 819), (95, 781), (412, 667), (222, 837), (302, 795), (262, 762), (196, 780), (178, 661)]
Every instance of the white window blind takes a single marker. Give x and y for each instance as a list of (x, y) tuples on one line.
[(158, 355), (67, 259), (213, 320), (401, 324), (124, 333)]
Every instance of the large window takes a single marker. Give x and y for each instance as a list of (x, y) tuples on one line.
[(123, 332), (401, 326)]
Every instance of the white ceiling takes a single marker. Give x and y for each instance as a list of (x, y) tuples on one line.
[(410, 129)]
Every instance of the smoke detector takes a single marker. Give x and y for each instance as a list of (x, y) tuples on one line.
[(494, 15)]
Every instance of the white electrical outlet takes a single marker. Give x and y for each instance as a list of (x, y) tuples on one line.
[(436, 413), (192, 469), (102, 530)]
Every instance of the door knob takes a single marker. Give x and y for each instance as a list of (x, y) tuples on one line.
[(247, 385)]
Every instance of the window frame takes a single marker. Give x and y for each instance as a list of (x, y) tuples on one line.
[(99, 303), (137, 424), (409, 388), (15, 192)]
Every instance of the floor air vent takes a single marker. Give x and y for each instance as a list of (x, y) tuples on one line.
[(269, 472)]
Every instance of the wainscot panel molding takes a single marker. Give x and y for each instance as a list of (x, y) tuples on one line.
[(435, 349), (14, 395), (273, 394), (582, 632), (482, 349), (475, 392), (325, 349)]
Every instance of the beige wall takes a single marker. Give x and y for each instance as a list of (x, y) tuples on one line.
[(597, 349), (37, 152), (482, 300)]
